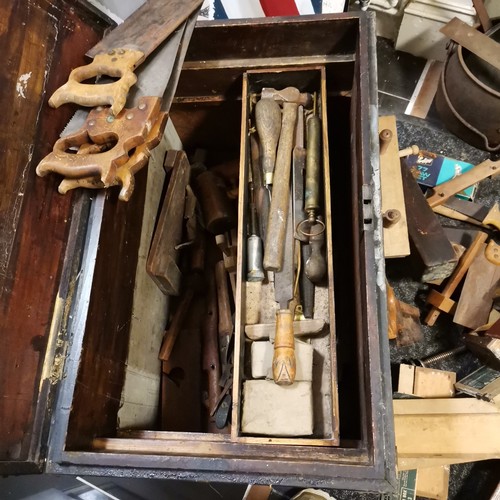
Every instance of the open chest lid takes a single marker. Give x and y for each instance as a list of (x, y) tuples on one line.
[(40, 229)]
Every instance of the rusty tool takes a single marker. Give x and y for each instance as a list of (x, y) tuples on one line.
[(313, 174), (278, 212), (284, 367), (225, 324), (289, 94), (268, 124)]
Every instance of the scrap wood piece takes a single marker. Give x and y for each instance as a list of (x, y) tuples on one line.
[(456, 277), (450, 188), (396, 242), (426, 382), (433, 482), (441, 431), (476, 298), (163, 255), (432, 252)]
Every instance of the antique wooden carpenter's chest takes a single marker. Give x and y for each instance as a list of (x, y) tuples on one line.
[(81, 322)]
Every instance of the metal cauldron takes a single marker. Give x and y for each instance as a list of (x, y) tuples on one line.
[(468, 96)]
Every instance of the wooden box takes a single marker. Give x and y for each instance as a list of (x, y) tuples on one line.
[(91, 391)]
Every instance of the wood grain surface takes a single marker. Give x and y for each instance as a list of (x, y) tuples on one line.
[(34, 218)]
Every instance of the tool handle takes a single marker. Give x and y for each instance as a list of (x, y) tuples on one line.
[(313, 164), (284, 367), (268, 124), (315, 267), (278, 212), (225, 322), (116, 63)]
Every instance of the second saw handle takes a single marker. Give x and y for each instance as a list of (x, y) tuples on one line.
[(284, 367)]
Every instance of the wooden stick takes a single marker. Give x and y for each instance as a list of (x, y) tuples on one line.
[(176, 325), (463, 181)]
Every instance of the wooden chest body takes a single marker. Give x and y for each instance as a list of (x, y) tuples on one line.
[(89, 324)]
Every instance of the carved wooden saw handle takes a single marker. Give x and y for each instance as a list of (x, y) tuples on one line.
[(118, 63)]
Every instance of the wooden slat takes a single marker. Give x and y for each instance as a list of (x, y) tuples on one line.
[(162, 263), (442, 406), (433, 432), (396, 242), (219, 449)]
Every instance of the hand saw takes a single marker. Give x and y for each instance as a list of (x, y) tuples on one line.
[(121, 51), (104, 142)]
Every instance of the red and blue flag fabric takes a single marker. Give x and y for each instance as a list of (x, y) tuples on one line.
[(239, 9)]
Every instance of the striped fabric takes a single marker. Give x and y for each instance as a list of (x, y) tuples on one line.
[(238, 9)]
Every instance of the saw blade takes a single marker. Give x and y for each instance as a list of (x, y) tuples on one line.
[(469, 208), (158, 77)]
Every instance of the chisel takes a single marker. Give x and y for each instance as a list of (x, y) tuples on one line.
[(284, 343)]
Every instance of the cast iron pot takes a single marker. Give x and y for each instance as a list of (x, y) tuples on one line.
[(468, 96)]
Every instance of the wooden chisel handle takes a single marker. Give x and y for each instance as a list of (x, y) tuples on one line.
[(225, 320), (278, 212), (268, 124), (284, 368)]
